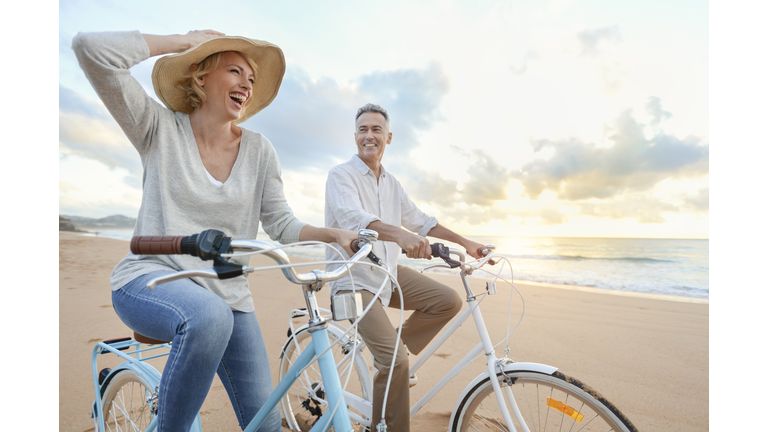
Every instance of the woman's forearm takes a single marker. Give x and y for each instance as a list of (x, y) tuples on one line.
[(169, 44)]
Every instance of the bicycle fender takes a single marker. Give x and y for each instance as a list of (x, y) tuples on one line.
[(147, 371), (509, 367), (153, 379)]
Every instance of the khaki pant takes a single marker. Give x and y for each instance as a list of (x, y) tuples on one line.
[(434, 304)]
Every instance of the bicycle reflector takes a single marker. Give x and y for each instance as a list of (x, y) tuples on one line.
[(563, 408)]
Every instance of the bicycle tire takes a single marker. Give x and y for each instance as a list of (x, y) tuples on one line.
[(554, 402), (300, 417), (125, 403)]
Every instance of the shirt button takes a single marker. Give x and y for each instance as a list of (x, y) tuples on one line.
[(372, 268)]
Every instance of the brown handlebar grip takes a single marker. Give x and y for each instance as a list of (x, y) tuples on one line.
[(483, 251), (156, 245)]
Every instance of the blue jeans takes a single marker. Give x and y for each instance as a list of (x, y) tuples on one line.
[(208, 337)]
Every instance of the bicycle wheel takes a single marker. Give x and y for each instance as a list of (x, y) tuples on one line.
[(126, 402), (554, 402), (305, 401)]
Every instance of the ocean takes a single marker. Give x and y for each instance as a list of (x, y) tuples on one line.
[(667, 267)]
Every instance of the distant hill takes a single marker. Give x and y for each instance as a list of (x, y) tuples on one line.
[(114, 221), (66, 225)]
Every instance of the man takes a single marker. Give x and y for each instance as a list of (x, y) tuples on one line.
[(361, 194)]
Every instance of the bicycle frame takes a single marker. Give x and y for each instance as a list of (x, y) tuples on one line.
[(485, 346), (331, 384), (319, 346)]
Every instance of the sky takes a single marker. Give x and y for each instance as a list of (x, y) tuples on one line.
[(584, 118)]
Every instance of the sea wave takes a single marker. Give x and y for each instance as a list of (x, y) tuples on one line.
[(584, 258), (650, 266)]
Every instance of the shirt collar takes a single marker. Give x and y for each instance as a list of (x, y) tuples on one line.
[(362, 168)]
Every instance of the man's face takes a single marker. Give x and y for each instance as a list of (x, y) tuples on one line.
[(371, 136)]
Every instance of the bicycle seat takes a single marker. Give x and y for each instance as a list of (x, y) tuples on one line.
[(143, 339)]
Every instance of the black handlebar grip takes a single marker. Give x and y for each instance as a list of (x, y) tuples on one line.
[(156, 245)]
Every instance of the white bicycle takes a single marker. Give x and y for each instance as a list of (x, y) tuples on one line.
[(506, 396)]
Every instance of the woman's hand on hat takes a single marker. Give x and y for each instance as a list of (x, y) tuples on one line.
[(196, 37)]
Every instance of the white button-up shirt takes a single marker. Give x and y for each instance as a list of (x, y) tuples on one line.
[(354, 199)]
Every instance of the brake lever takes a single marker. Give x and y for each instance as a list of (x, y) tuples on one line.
[(203, 272), (441, 251), (444, 265), (355, 246), (221, 270)]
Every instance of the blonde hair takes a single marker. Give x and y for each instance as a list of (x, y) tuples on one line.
[(189, 82)]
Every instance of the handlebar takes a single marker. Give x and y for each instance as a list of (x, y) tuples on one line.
[(443, 252), (213, 244)]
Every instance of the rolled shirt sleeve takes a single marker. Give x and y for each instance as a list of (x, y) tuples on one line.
[(412, 218)]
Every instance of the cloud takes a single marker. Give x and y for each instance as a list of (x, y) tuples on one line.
[(311, 122), (643, 208), (697, 202), (591, 39), (486, 184), (578, 170), (428, 187), (488, 181), (653, 107), (74, 103), (475, 215), (87, 129), (647, 207), (613, 77), (547, 214), (523, 67)]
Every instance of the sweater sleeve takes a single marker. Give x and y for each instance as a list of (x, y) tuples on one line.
[(106, 59)]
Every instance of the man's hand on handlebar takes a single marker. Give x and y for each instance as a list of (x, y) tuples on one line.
[(414, 246), (473, 248)]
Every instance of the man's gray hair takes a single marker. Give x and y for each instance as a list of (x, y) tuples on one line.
[(369, 107)]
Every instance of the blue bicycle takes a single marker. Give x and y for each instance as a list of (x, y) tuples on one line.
[(126, 396)]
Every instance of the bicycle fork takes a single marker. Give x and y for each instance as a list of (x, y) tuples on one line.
[(337, 412), (493, 364)]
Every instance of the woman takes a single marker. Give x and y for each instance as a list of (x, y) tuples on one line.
[(201, 171)]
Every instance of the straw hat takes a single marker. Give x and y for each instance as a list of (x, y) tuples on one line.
[(269, 57)]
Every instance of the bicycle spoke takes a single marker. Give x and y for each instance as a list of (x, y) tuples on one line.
[(573, 408), (499, 425)]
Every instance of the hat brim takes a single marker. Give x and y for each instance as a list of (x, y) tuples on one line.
[(269, 58)]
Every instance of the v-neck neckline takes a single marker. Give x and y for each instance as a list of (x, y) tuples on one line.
[(205, 173)]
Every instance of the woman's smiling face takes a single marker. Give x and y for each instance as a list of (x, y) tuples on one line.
[(230, 86)]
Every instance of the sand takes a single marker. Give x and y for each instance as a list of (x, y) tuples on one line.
[(649, 356)]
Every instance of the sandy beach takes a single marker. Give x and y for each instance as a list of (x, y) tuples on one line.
[(647, 355)]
